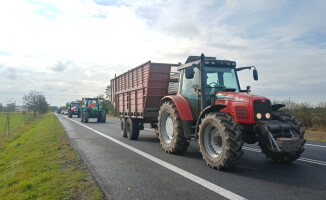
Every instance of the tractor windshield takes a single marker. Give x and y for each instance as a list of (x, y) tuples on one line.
[(74, 105), (221, 79), (92, 102)]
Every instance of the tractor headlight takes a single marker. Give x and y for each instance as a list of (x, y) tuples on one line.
[(268, 116), (258, 115)]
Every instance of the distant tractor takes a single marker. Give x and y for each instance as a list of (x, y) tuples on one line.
[(205, 104), (74, 109), (93, 109)]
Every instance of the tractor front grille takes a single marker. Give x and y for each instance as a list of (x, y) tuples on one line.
[(262, 106)]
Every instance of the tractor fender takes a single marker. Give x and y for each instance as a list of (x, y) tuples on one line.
[(208, 109), (275, 107), (182, 106)]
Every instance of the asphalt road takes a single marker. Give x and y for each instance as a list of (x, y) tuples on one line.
[(140, 169)]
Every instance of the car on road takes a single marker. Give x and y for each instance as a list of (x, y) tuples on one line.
[(65, 112)]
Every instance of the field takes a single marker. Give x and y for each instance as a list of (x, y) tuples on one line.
[(38, 161)]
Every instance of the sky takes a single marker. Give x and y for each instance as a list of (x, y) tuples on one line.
[(72, 49)]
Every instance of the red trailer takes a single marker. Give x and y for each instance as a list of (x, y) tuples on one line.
[(136, 94)]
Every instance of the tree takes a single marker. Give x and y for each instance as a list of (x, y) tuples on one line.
[(11, 107), (36, 102), (108, 93)]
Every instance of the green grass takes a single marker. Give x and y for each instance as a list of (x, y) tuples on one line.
[(16, 120), (37, 161)]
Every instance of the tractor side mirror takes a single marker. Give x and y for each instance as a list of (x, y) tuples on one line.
[(255, 74), (190, 72)]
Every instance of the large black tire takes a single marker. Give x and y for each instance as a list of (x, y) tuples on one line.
[(82, 117), (99, 119), (170, 129), (85, 117), (69, 115), (296, 129), (123, 127), (220, 140), (79, 114), (132, 129), (103, 120)]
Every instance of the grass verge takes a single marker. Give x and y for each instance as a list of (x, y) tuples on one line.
[(37, 161), (318, 136)]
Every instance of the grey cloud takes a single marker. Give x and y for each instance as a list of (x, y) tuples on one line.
[(62, 66), (10, 73)]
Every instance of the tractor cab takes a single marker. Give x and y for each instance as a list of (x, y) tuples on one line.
[(74, 109), (93, 109), (201, 81)]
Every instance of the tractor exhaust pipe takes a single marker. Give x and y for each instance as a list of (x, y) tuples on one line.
[(202, 82)]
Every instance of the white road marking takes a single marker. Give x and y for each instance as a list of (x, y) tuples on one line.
[(315, 145), (211, 186), (318, 162)]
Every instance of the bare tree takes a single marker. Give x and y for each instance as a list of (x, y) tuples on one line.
[(36, 102)]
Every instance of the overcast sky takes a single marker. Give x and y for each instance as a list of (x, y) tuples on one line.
[(71, 49)]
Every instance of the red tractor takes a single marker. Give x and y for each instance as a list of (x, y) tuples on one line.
[(210, 107)]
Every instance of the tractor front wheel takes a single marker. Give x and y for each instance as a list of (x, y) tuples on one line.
[(296, 130), (103, 117), (85, 117), (82, 117), (220, 140), (69, 115), (132, 129), (170, 129)]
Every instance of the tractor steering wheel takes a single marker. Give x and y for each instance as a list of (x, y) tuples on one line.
[(212, 83)]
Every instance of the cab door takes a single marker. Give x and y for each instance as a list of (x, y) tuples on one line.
[(186, 88)]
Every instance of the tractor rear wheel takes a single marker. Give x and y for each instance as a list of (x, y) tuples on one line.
[(296, 130), (99, 119), (103, 117), (220, 140), (86, 117), (79, 114), (132, 129), (123, 127), (170, 129), (82, 117)]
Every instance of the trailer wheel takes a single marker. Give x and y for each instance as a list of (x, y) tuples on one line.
[(132, 129), (220, 140), (296, 130), (69, 115), (103, 117), (170, 129), (123, 127), (86, 117)]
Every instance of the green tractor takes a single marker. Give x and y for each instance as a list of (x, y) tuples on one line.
[(93, 109)]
